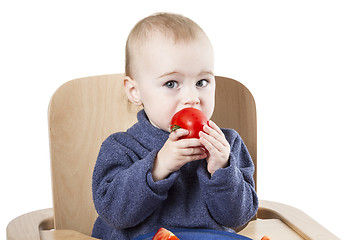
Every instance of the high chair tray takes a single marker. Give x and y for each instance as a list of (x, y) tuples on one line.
[(198, 234)]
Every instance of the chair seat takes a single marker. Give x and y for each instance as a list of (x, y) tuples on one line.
[(278, 221), (64, 234), (274, 228)]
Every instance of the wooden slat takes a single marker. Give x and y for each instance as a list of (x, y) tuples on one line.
[(82, 113)]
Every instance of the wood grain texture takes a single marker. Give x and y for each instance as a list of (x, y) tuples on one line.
[(82, 113), (27, 226), (235, 108), (273, 228), (297, 220)]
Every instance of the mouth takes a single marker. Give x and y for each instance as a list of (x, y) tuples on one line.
[(189, 107)]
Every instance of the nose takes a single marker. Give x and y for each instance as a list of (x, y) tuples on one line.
[(190, 97)]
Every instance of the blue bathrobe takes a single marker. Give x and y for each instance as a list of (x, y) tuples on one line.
[(130, 203)]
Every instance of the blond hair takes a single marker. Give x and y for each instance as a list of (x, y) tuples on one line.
[(173, 26)]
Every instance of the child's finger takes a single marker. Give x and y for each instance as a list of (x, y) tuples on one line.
[(207, 144), (178, 133), (214, 134), (215, 127), (195, 154), (193, 151), (210, 142), (188, 143)]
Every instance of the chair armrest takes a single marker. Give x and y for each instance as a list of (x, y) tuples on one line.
[(28, 226), (297, 220), (39, 225), (64, 234)]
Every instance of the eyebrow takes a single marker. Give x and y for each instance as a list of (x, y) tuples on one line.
[(206, 73), (173, 73), (168, 74)]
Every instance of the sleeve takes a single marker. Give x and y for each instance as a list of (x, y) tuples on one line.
[(124, 192), (230, 192)]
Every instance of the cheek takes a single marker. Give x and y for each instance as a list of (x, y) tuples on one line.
[(210, 110), (160, 116), (209, 104), (162, 108)]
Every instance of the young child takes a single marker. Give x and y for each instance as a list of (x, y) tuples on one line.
[(147, 178)]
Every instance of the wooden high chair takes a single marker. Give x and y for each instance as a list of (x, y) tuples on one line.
[(83, 112)]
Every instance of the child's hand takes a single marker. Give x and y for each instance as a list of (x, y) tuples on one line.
[(216, 144), (175, 153)]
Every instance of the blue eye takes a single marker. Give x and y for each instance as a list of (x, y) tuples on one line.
[(171, 84), (202, 83)]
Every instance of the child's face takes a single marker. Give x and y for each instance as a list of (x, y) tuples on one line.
[(170, 77)]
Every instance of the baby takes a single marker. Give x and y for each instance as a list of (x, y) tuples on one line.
[(147, 177)]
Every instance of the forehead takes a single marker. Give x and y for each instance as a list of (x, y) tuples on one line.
[(164, 52), (154, 37)]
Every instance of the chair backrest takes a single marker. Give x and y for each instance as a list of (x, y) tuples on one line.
[(83, 112)]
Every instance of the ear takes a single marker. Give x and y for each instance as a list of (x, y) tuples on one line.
[(132, 90)]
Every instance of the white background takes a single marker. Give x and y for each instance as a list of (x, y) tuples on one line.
[(292, 55)]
